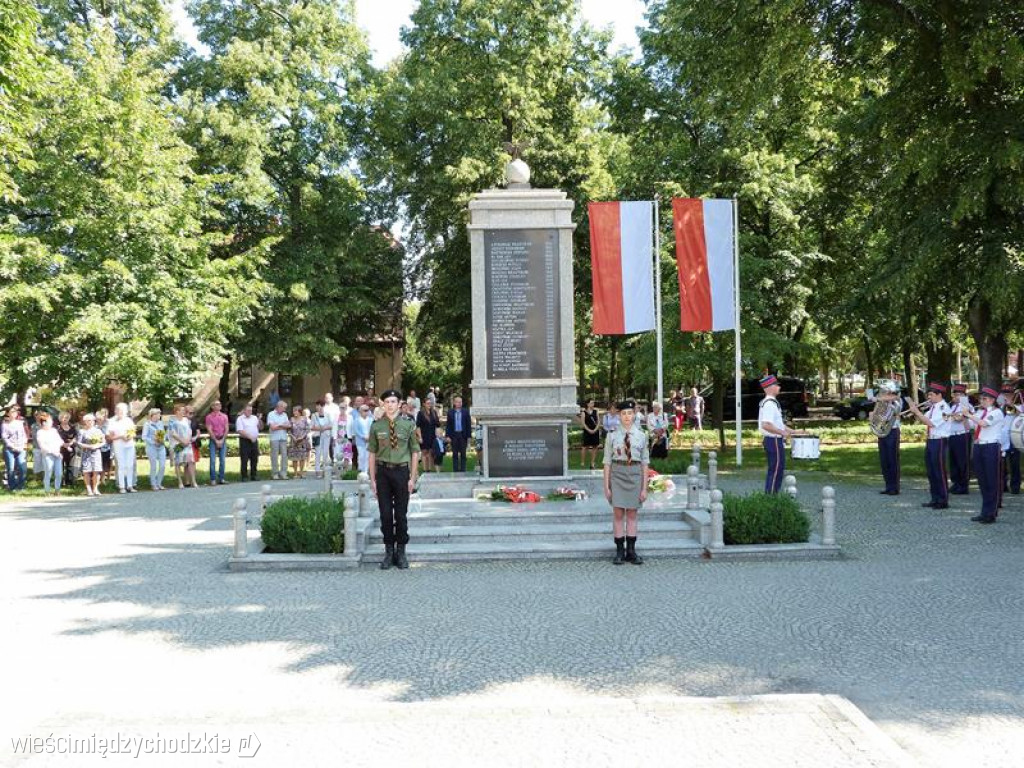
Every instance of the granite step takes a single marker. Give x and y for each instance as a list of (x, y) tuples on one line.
[(589, 549), (527, 532)]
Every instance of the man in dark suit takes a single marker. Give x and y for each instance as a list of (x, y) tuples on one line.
[(458, 431)]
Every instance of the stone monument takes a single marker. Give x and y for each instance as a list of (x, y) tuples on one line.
[(524, 387)]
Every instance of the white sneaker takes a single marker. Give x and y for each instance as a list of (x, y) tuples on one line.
[(122, 490)]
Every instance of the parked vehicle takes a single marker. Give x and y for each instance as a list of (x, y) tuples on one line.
[(860, 407), (793, 398)]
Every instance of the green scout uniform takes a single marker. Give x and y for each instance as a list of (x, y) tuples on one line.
[(392, 475)]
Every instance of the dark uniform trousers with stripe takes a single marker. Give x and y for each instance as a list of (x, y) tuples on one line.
[(1011, 476), (775, 449), (959, 463), (935, 462), (987, 468), (889, 456)]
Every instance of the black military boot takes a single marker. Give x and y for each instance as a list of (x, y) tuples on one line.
[(389, 556), (631, 555), (620, 551), (401, 561)]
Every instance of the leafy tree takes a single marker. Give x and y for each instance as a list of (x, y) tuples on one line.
[(20, 74), (107, 275), (277, 112)]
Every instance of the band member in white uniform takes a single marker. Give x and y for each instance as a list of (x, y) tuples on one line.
[(959, 441), (773, 433), (937, 421), (987, 422)]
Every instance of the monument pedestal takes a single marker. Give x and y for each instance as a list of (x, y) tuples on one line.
[(524, 387)]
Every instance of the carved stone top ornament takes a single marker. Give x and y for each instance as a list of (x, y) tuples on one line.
[(517, 173)]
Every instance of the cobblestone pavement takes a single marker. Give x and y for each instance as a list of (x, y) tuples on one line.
[(121, 618)]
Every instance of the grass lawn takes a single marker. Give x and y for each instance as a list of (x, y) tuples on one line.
[(848, 451)]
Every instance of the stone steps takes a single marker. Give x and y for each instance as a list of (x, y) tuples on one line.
[(537, 550), (451, 530), (530, 532)]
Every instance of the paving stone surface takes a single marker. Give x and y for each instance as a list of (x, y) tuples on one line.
[(120, 618)]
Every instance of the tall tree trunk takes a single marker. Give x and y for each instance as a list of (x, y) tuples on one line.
[(336, 369), (719, 383), (224, 386), (940, 356), (612, 391), (909, 372), (990, 341), (467, 369), (869, 361)]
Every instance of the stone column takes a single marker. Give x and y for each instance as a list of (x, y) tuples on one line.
[(524, 384)]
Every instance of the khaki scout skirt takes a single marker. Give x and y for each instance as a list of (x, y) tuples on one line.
[(626, 482)]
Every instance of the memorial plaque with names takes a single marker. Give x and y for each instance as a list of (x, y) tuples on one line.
[(525, 451), (522, 299)]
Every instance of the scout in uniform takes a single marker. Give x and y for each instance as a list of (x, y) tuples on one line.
[(394, 454), (626, 455), (987, 422), (937, 421), (959, 441), (773, 433)]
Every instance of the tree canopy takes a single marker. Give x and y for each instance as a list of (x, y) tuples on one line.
[(164, 209)]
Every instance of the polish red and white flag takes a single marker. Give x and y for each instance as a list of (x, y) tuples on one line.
[(705, 256), (621, 262)]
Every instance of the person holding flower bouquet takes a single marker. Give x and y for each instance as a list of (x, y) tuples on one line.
[(121, 436), (626, 456), (91, 441), (298, 441), (154, 435), (180, 430)]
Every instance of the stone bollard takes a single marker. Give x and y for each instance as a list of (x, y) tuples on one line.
[(241, 528), (692, 488), (265, 491), (717, 520), (695, 456), (713, 470), (328, 478), (350, 524), (789, 485), (364, 495), (828, 516)]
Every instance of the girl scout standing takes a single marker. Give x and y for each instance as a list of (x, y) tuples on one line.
[(626, 456)]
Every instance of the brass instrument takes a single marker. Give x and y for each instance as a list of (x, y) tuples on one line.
[(882, 420)]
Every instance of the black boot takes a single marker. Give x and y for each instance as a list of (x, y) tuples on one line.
[(389, 556), (631, 554), (401, 561), (620, 551)]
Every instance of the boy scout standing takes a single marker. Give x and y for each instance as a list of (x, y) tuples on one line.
[(394, 458)]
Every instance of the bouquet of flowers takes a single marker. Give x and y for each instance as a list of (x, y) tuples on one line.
[(129, 434), (658, 483), (159, 437), (566, 493), (94, 440), (513, 494)]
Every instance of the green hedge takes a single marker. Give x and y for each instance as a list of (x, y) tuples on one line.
[(311, 526), (764, 518)]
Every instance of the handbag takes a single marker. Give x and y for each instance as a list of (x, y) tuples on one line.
[(76, 465)]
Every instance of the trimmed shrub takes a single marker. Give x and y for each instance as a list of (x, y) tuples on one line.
[(313, 526), (764, 518)]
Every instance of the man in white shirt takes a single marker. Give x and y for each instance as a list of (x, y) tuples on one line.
[(987, 422), (247, 425), (937, 421), (773, 433), (278, 424), (333, 412)]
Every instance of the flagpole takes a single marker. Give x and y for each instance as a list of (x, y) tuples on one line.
[(736, 320), (657, 295)]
